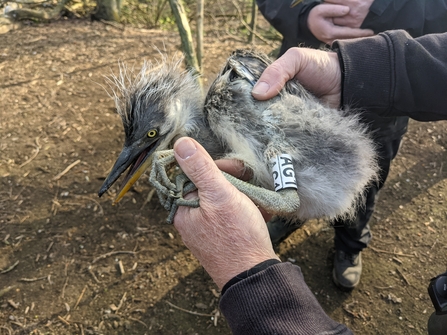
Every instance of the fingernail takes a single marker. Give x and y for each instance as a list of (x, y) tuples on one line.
[(185, 148), (261, 87)]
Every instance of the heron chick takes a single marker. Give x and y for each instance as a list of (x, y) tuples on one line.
[(319, 160)]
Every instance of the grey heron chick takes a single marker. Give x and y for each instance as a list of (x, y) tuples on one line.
[(328, 151)]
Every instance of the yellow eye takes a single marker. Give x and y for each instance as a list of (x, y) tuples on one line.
[(152, 133)]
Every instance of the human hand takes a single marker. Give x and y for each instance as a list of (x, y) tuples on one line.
[(358, 10), (227, 233), (317, 70), (321, 23)]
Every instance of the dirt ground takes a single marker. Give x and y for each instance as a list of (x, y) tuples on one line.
[(71, 263)]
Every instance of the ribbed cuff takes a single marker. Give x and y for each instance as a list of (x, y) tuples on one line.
[(367, 83), (276, 301), (258, 268)]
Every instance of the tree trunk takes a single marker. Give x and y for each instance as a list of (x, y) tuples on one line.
[(200, 5), (185, 35), (254, 17), (108, 10)]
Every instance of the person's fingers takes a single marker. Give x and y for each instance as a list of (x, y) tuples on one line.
[(234, 167), (348, 21), (330, 11)]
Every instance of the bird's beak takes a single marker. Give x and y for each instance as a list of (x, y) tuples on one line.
[(134, 158), (295, 2)]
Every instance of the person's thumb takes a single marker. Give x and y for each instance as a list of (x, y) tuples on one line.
[(274, 78), (197, 164)]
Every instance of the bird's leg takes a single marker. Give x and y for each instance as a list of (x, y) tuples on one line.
[(282, 203), (170, 194)]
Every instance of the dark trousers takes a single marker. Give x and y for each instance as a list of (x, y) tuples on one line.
[(354, 235)]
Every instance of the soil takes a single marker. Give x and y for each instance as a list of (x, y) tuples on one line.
[(71, 263)]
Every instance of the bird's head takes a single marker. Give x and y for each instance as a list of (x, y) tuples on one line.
[(156, 105)]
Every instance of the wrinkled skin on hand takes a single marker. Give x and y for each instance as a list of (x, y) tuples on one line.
[(317, 70), (227, 233)]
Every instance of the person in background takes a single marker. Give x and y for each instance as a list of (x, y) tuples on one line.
[(227, 233), (317, 24)]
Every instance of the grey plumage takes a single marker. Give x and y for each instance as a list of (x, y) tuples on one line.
[(334, 158)]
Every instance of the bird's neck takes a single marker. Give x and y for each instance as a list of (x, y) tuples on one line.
[(190, 120)]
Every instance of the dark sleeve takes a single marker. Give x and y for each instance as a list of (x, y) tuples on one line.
[(276, 301), (393, 74), (291, 23), (417, 17)]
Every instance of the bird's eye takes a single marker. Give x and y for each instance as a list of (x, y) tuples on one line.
[(152, 133)]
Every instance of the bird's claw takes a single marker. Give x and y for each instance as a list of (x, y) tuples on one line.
[(171, 195)]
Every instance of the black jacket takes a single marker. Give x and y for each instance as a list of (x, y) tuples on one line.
[(418, 17), (404, 76)]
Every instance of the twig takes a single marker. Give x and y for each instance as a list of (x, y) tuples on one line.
[(9, 330), (5, 290), (18, 194), (80, 297), (68, 168), (397, 260), (389, 252), (383, 287), (63, 288), (50, 246), (93, 274), (186, 311), (63, 320), (17, 324), (121, 267), (403, 276), (13, 304), (10, 268), (241, 18), (139, 321), (150, 195), (123, 298), (111, 254), (30, 280), (36, 152)]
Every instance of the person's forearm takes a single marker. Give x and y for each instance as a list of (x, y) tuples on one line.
[(410, 80), (416, 17), (276, 301)]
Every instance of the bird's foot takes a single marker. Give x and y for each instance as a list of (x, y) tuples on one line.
[(170, 195)]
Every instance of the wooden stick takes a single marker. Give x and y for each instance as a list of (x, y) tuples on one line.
[(123, 298), (139, 321), (111, 254), (10, 268), (403, 276), (186, 311), (63, 288), (389, 252), (68, 168), (30, 280), (36, 152), (9, 330), (80, 297), (63, 320)]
